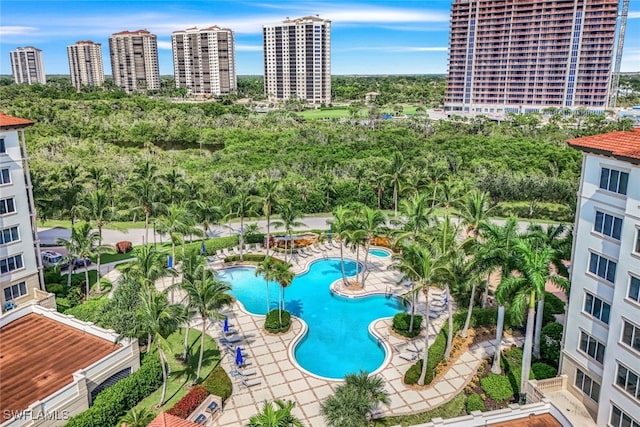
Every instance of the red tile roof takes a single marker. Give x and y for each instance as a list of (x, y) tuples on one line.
[(165, 420), (624, 145), (9, 121)]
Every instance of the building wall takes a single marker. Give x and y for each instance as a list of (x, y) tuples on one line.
[(85, 64), (614, 291), (15, 200), (27, 66), (204, 61), (134, 61), (297, 60), (525, 55)]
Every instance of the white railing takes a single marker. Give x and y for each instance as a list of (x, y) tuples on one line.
[(536, 390)]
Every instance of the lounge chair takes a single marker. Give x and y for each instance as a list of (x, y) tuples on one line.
[(308, 251), (226, 253), (302, 253), (236, 250), (250, 383), (219, 254), (231, 339), (316, 248), (410, 356), (247, 372), (259, 247), (434, 314)]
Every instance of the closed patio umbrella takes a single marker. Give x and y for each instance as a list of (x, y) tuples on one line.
[(239, 358)]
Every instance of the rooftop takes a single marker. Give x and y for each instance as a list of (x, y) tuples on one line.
[(165, 420), (544, 420), (10, 121), (39, 356), (127, 33), (624, 145)]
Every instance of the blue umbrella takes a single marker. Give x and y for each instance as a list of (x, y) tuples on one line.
[(329, 235), (239, 358), (203, 249), (225, 326)]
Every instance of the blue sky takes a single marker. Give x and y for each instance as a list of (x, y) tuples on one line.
[(368, 36)]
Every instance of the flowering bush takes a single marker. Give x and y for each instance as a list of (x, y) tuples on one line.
[(185, 406)]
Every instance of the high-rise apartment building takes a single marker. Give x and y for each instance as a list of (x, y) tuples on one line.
[(20, 262), (134, 60), (27, 65), (297, 60), (601, 352), (527, 55), (85, 64), (204, 60)]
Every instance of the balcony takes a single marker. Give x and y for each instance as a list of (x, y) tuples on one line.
[(554, 390)]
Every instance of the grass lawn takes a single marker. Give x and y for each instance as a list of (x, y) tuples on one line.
[(450, 409), (116, 225), (338, 113), (181, 376)]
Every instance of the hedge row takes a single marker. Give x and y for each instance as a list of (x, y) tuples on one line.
[(436, 355), (189, 402), (245, 257), (542, 210), (218, 383), (401, 322), (111, 404)]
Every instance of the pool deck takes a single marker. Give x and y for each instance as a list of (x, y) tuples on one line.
[(280, 378)]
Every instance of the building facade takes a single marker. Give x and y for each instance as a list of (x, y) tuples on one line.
[(601, 351), (21, 277), (523, 56), (204, 60), (134, 60), (27, 66), (297, 60), (85, 64)]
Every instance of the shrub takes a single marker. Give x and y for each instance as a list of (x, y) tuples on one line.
[(497, 387), (254, 238), (542, 371), (111, 404), (63, 304), (436, 354), (185, 406), (401, 323), (212, 245), (56, 288), (541, 210), (474, 403), (550, 341), (556, 305), (123, 247), (485, 316), (272, 321), (218, 383), (246, 257), (89, 311)]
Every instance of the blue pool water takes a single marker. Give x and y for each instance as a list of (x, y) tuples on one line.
[(338, 341), (379, 253)]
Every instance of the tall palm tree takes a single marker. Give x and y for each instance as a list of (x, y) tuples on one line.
[(99, 210), (82, 245), (144, 191), (284, 276), (280, 416), (405, 263), (270, 198), (396, 175), (288, 219), (69, 194), (339, 225), (465, 275), (526, 289), (417, 217), (158, 318), (354, 238), (266, 269), (370, 221), (207, 295), (242, 206), (192, 267)]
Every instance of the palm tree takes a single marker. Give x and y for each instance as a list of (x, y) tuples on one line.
[(339, 225), (158, 318), (418, 216), (272, 417), (138, 417), (371, 386), (405, 263), (370, 222), (347, 407), (396, 176), (242, 206), (207, 295), (526, 289), (288, 219), (144, 191), (354, 238), (284, 276), (192, 267), (465, 274), (266, 269), (270, 197), (82, 246), (99, 210)]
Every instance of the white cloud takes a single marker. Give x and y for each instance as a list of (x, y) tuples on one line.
[(249, 48), (395, 49), (164, 45), (633, 15), (630, 60), (15, 29)]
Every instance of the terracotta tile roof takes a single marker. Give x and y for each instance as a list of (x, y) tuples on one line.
[(9, 121), (624, 145), (165, 420), (126, 32), (39, 355)]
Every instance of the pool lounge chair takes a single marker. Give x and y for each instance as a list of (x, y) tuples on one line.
[(410, 356), (231, 339), (219, 254), (259, 247), (247, 372), (226, 253), (316, 248), (302, 253), (250, 383), (236, 250)]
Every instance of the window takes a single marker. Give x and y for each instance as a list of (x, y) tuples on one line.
[(637, 248), (628, 381), (608, 225), (9, 235), (15, 291), (3, 146), (5, 177), (602, 267), (634, 289), (597, 308), (621, 419), (591, 346), (587, 385), (631, 335), (613, 180), (7, 206), (11, 263)]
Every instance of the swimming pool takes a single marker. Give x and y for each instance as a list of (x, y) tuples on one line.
[(380, 253), (337, 341)]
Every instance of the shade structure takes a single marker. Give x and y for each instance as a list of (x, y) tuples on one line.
[(225, 325), (239, 358)]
